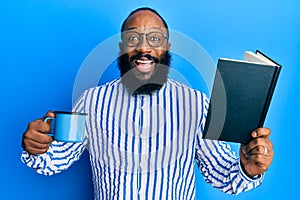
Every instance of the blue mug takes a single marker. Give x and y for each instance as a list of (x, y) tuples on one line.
[(69, 126)]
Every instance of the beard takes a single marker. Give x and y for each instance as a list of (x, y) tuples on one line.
[(135, 85)]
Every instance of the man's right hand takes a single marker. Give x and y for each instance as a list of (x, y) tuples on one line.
[(35, 140)]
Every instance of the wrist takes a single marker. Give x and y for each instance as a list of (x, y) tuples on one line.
[(245, 171)]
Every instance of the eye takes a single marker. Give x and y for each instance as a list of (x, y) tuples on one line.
[(155, 38), (132, 38)]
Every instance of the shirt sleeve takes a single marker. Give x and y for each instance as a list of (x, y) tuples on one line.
[(60, 155), (220, 166)]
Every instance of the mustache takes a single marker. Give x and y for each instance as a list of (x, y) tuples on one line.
[(138, 56)]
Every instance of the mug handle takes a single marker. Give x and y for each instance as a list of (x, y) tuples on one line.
[(45, 120)]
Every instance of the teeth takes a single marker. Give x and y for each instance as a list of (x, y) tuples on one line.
[(144, 61)]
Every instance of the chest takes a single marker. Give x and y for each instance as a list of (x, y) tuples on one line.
[(139, 133)]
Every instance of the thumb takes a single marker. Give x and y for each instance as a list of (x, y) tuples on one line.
[(49, 114), (261, 132)]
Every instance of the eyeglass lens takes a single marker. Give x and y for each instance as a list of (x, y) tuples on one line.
[(154, 39)]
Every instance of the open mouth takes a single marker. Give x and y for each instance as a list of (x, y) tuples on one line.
[(144, 65)]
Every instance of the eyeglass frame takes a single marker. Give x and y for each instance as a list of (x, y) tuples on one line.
[(165, 36)]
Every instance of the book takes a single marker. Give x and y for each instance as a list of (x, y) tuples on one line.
[(240, 97)]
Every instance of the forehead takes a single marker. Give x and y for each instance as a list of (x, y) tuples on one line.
[(144, 20)]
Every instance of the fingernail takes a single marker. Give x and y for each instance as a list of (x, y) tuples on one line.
[(254, 134), (244, 150)]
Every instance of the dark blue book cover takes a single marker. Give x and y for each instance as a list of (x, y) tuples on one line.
[(240, 98)]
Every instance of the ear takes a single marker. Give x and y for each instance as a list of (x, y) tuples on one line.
[(121, 46), (169, 46)]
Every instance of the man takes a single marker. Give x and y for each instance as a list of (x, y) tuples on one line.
[(143, 131)]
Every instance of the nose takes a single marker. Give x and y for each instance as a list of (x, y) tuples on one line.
[(143, 46)]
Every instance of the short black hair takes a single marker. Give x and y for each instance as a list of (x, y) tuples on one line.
[(146, 9)]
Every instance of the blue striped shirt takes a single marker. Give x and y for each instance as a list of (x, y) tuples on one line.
[(145, 146)]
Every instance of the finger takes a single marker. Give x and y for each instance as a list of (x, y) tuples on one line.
[(261, 132), (243, 149), (50, 113), (260, 150), (35, 142), (255, 143), (39, 126), (36, 145), (38, 137), (48, 117), (35, 151), (259, 160)]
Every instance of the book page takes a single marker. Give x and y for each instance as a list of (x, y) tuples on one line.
[(257, 58)]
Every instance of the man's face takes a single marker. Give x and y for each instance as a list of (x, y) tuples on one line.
[(141, 55)]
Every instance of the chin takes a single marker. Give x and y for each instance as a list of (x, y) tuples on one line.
[(142, 76)]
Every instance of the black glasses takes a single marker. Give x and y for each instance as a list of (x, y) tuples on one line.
[(133, 38)]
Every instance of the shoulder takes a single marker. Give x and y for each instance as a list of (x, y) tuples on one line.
[(112, 84), (172, 84), (94, 92)]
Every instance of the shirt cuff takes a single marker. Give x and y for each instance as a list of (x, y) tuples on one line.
[(257, 178), (28, 158)]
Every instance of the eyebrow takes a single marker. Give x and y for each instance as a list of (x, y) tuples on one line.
[(155, 28)]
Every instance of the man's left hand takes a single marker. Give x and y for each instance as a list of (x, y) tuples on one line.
[(257, 156)]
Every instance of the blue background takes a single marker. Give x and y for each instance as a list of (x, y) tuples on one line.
[(43, 43)]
